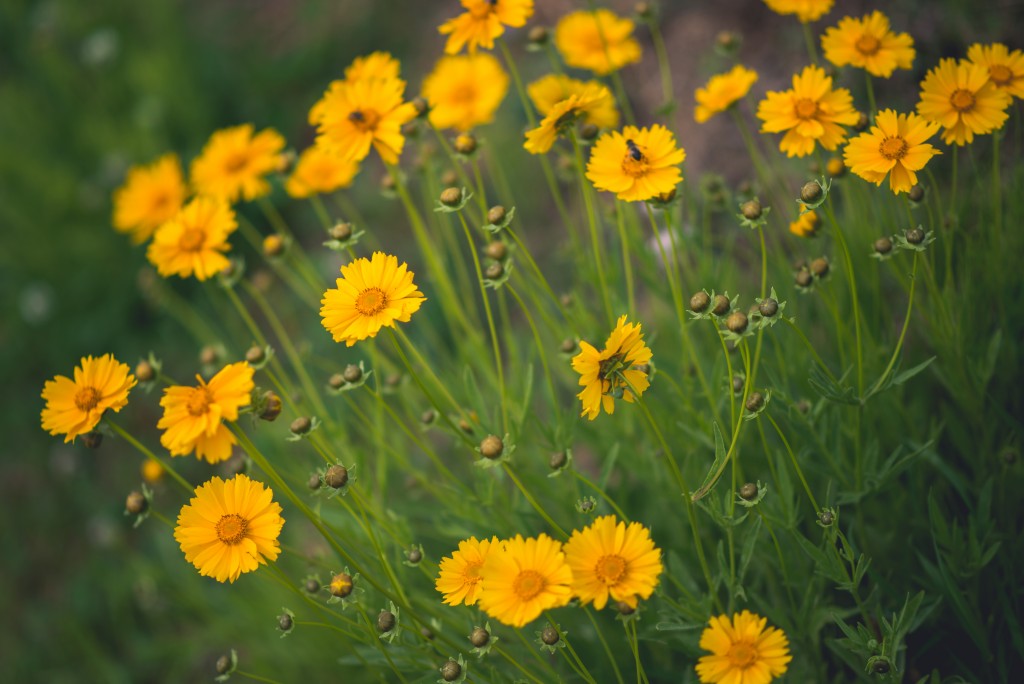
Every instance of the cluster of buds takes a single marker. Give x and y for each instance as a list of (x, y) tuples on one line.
[(353, 377)]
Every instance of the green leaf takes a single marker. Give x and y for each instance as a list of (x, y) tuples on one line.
[(909, 373)]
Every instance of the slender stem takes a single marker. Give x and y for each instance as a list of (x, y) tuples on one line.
[(663, 66), (533, 502), (812, 51), (575, 656), (871, 95), (796, 464), (601, 492), (853, 294), (634, 643), (903, 333), (595, 239), (604, 644), (541, 351), (149, 454), (627, 265), (810, 348), (255, 677)]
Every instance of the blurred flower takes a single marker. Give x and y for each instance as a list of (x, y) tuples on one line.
[(722, 91), (868, 43), (636, 164), (150, 196), (599, 41), (961, 97), (563, 114), (193, 242), (742, 650), (353, 115), (374, 66), (811, 111), (234, 163), (152, 471), (521, 578), (458, 578), (548, 91), (74, 407), (608, 374), (1005, 68), (895, 145), (805, 10), (318, 172), (610, 559), (806, 224), (482, 22), (465, 91)]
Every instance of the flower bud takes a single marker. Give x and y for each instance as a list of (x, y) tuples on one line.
[(862, 122), (755, 402), (727, 41), (550, 635), (352, 373), (819, 267), (92, 440), (736, 322), (558, 460), (301, 425), (751, 210), (336, 476), (916, 193), (428, 416), (208, 355), (223, 664), (421, 106), (270, 406), (494, 271), (883, 245), (810, 192), (738, 384), (427, 634), (414, 555), (915, 236), (699, 302), (624, 608), (255, 354), (449, 178), (826, 518), (479, 637), (386, 621), (465, 144), (341, 231), (341, 585), (312, 586), (314, 482), (450, 197), (496, 214), (768, 307), (136, 503), (803, 278), (336, 381), (748, 492), (273, 245), (393, 380), (589, 131), (144, 372), (285, 622), (721, 305), (491, 447), (387, 183), (451, 671), (538, 35), (496, 250)]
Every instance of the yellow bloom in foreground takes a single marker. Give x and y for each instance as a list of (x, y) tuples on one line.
[(1005, 68), (459, 575), (150, 195), (353, 116), (605, 373), (563, 115), (521, 578), (234, 164), (230, 527), (962, 98), (482, 22), (193, 242), (895, 145), (742, 650), (599, 41), (371, 294), (548, 91), (616, 560), (376, 65), (868, 43), (193, 416), (636, 164), (806, 224), (811, 111), (722, 91), (805, 10), (318, 172), (74, 407), (464, 91)]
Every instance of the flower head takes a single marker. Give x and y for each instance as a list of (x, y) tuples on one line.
[(599, 41), (1005, 68), (150, 195), (742, 650), (868, 43), (810, 112), (352, 116), (895, 145), (564, 114), (318, 172), (521, 578), (74, 407), (193, 416), (962, 98), (193, 242), (371, 294), (722, 91), (636, 164), (806, 224), (459, 575), (374, 66), (805, 10), (465, 91), (612, 372), (229, 527), (482, 22), (234, 164), (548, 91), (613, 560)]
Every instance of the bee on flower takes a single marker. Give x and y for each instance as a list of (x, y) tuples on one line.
[(636, 164)]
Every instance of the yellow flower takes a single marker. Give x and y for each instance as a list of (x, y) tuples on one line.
[(192, 242), (376, 65), (152, 471), (74, 407), (459, 575), (465, 91), (806, 224), (868, 43), (235, 162), (599, 41), (610, 559), (548, 91), (636, 164), (193, 416), (150, 195), (742, 650), (564, 114), (482, 22), (722, 91), (962, 98), (612, 371), (521, 578), (371, 294), (895, 145), (1005, 68), (230, 527), (318, 172), (805, 10), (353, 115), (811, 111)]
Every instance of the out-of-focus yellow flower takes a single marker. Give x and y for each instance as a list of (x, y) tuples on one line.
[(1005, 68), (722, 91), (319, 172), (963, 98), (548, 91), (805, 10), (896, 146), (464, 91), (600, 41), (458, 576), (810, 112), (482, 22), (564, 114), (150, 196), (354, 116), (636, 164), (234, 163), (194, 241), (806, 224), (868, 43)]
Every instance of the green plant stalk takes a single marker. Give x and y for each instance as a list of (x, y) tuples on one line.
[(903, 333), (601, 492), (997, 187), (255, 677), (515, 662), (540, 275), (627, 265), (150, 455), (634, 645), (870, 89), (664, 71), (380, 644), (796, 464), (810, 348), (481, 191), (541, 351), (579, 666), (604, 643), (307, 295), (533, 502), (595, 240), (812, 51), (778, 553), (321, 211), (304, 265), (853, 294)]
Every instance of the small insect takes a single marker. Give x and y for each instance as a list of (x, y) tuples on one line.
[(634, 151)]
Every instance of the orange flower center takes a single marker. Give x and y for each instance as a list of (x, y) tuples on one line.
[(893, 148), (867, 44), (191, 240), (231, 528), (371, 301), (1000, 74), (199, 402), (471, 573), (236, 161), (805, 108), (464, 94), (610, 569), (87, 398), (365, 120), (528, 584), (962, 100), (741, 655), (160, 201)]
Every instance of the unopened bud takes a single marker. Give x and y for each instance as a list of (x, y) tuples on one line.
[(768, 307), (336, 476), (336, 381), (352, 373), (810, 192), (255, 354), (420, 105), (312, 585), (491, 447), (589, 131), (494, 271), (538, 35), (92, 440), (804, 278), (451, 197), (738, 383), (314, 482), (558, 460), (135, 503), (428, 416), (496, 214), (144, 371), (700, 302), (916, 193), (755, 402), (341, 231), (273, 245), (568, 345), (479, 637), (550, 636), (465, 144), (387, 183), (751, 210), (341, 585), (386, 621), (721, 306), (736, 322), (862, 122), (449, 178), (223, 664), (748, 492), (208, 355), (271, 406), (451, 671), (496, 250), (915, 236), (414, 555), (883, 245), (300, 426), (284, 622), (819, 267)]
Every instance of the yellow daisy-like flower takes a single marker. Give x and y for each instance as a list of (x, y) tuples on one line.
[(962, 98), (371, 294), (193, 416), (611, 371), (868, 43), (230, 527), (612, 559), (234, 164), (548, 91), (742, 650), (806, 224), (810, 112), (376, 65), (318, 172), (465, 91), (459, 575), (74, 407), (150, 196), (805, 10), (1005, 68), (564, 114), (895, 145), (152, 471), (193, 242), (352, 116), (599, 41), (722, 91), (521, 578), (636, 164), (482, 22)]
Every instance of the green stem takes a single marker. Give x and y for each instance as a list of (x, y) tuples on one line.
[(663, 66), (254, 677), (796, 464), (812, 51), (604, 644), (853, 294), (595, 239), (533, 502), (871, 95), (149, 454), (903, 333)]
